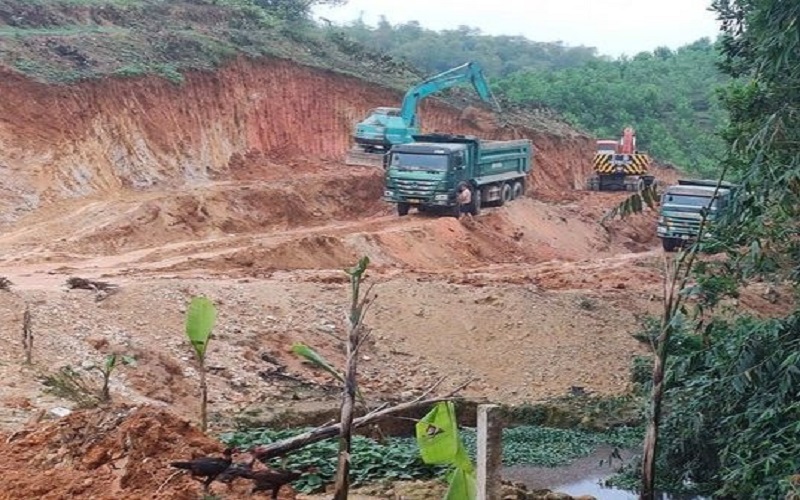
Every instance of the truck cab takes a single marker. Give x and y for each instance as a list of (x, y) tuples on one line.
[(683, 206), (425, 174)]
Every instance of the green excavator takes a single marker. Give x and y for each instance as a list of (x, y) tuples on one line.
[(385, 127)]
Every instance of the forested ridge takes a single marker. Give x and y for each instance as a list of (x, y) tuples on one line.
[(668, 96)]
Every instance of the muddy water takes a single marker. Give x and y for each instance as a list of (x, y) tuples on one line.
[(584, 476)]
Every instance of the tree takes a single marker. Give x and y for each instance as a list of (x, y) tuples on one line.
[(294, 9)]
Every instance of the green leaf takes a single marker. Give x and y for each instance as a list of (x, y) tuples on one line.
[(317, 359), (110, 362), (201, 316)]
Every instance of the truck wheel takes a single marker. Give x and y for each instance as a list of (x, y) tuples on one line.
[(476, 203), (505, 195), (641, 185), (402, 209), (518, 190), (670, 244)]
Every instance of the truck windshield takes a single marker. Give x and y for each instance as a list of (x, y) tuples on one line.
[(410, 161), (689, 201)]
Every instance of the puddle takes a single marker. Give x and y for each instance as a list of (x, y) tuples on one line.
[(584, 476), (593, 487)]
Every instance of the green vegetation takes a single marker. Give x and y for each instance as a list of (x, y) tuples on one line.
[(399, 458), (731, 419), (64, 41), (437, 51), (73, 384), (735, 408), (668, 97), (549, 447), (396, 458), (201, 316)]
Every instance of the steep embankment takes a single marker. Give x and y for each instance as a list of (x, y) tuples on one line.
[(99, 136)]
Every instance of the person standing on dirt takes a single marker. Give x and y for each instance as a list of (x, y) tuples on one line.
[(464, 200)]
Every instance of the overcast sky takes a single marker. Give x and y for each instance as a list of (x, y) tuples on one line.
[(613, 26)]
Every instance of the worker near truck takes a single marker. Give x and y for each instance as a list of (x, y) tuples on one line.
[(464, 201)]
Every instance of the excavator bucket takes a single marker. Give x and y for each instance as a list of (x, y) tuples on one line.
[(359, 157)]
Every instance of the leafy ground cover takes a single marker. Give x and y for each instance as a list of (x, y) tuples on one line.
[(398, 458)]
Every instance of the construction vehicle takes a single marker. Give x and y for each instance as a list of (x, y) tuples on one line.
[(427, 172), (683, 207), (619, 166), (385, 127)]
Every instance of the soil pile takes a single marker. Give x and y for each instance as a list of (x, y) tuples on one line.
[(119, 453)]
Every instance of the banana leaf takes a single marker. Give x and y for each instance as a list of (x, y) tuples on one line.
[(201, 315)]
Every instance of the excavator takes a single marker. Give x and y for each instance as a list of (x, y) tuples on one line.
[(619, 166), (385, 126)]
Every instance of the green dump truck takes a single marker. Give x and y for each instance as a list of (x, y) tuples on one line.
[(682, 208), (426, 173)]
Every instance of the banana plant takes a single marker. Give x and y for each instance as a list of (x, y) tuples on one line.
[(201, 316)]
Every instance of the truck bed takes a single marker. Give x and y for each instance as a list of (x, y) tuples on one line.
[(502, 160)]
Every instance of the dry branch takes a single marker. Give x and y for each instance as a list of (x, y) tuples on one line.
[(281, 448), (27, 335), (102, 289)]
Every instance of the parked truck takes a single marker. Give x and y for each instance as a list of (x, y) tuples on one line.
[(427, 172), (682, 208), (384, 127), (619, 166)]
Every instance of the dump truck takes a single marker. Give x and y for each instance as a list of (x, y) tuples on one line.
[(427, 172), (386, 126), (682, 208), (619, 166)]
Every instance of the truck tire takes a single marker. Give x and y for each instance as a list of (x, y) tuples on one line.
[(476, 203), (670, 244), (518, 190), (505, 195), (641, 185), (402, 209)]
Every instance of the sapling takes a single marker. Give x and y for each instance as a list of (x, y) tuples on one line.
[(106, 369), (357, 334), (201, 315)]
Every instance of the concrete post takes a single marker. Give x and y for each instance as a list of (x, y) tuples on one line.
[(490, 452)]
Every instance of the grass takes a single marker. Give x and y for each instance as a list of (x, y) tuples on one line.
[(50, 40)]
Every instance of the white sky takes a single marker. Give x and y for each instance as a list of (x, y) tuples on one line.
[(613, 26)]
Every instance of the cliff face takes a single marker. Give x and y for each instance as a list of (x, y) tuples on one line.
[(113, 134)]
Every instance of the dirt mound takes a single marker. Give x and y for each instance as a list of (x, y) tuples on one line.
[(119, 453), (526, 231)]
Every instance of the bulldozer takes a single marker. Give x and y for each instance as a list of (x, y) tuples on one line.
[(619, 166), (386, 126)]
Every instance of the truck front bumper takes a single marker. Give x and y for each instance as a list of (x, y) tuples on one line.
[(439, 200)]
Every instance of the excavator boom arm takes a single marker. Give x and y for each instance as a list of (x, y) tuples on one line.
[(469, 72)]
